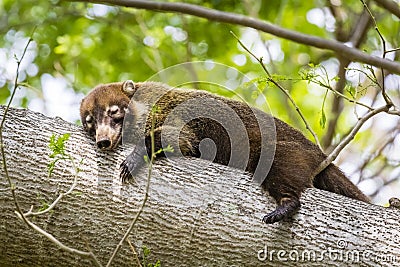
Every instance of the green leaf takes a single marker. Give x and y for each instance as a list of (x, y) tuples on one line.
[(169, 149), (57, 146), (351, 90), (322, 120), (43, 203)]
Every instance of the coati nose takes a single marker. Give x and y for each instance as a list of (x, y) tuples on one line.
[(104, 143)]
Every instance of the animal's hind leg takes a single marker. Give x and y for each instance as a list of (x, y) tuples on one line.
[(289, 176), (286, 208)]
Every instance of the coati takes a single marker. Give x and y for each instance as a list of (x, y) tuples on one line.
[(293, 158)]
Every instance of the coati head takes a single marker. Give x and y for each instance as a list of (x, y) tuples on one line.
[(103, 110)]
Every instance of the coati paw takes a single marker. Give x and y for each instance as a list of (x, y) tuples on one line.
[(132, 163), (125, 173), (287, 208), (275, 216)]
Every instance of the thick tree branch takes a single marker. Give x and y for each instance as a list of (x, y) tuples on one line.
[(390, 6), (198, 213), (341, 49)]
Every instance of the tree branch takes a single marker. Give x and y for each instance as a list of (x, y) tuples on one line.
[(203, 213), (332, 156), (390, 6), (357, 36), (286, 92), (341, 49)]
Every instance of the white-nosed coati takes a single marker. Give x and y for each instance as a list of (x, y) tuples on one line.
[(104, 109)]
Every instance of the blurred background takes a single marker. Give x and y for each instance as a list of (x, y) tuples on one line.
[(77, 45)]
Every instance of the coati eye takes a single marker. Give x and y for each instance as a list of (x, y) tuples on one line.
[(89, 119), (114, 110), (88, 125), (116, 113)]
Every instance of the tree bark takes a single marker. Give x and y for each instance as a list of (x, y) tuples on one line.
[(198, 213)]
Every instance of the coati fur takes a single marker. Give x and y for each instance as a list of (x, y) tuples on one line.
[(294, 160)]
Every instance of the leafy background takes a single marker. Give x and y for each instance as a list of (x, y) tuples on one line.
[(79, 45)]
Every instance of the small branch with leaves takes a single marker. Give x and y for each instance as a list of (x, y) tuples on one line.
[(389, 107), (286, 92), (325, 83), (57, 146)]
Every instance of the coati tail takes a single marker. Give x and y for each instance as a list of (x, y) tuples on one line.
[(332, 179)]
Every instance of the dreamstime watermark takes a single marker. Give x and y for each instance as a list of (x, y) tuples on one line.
[(339, 254)]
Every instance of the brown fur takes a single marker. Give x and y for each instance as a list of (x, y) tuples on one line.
[(295, 157)]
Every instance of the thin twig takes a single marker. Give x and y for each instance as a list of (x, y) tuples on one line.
[(57, 242), (134, 252), (61, 195), (333, 155), (338, 94), (146, 194), (3, 154), (286, 92), (392, 50), (18, 211), (384, 94)]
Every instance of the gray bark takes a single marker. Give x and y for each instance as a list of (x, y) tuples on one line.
[(198, 213)]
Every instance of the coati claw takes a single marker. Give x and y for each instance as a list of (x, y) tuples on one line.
[(132, 163), (275, 216), (286, 209), (125, 173)]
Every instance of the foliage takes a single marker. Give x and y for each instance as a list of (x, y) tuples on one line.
[(146, 254), (57, 147)]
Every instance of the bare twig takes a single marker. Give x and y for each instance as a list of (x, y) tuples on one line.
[(3, 154), (146, 193), (332, 156), (384, 94), (392, 50), (134, 252), (350, 53), (57, 242), (18, 211), (286, 92)]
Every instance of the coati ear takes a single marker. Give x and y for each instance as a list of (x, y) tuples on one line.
[(128, 87)]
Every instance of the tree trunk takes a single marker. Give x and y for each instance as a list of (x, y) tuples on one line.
[(198, 213)]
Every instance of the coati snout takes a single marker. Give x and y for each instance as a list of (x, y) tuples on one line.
[(295, 157)]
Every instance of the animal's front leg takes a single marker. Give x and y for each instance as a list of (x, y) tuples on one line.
[(133, 162), (182, 141)]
